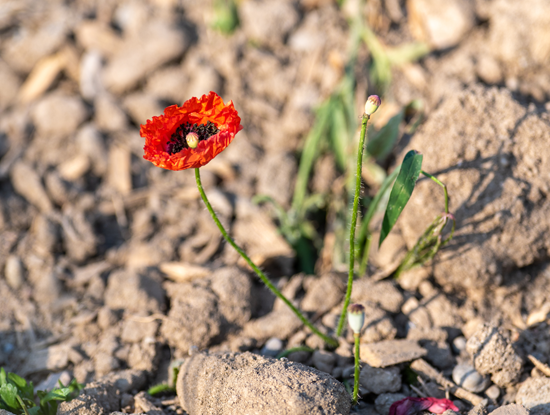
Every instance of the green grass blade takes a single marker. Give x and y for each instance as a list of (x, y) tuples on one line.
[(309, 155), (339, 134), (382, 143), (401, 191)]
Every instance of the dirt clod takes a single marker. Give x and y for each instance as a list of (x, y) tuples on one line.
[(225, 384), (493, 353)]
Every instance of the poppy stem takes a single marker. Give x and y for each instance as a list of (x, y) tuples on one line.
[(327, 339), (353, 223), (357, 370)]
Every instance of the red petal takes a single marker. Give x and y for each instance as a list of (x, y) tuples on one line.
[(158, 130)]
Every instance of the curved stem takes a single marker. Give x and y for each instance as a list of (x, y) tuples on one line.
[(327, 339), (435, 179), (353, 223), (357, 369)]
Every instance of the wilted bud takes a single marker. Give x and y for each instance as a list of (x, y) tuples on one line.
[(372, 104), (192, 140), (356, 317)]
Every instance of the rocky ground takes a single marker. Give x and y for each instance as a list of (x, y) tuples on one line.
[(112, 271)]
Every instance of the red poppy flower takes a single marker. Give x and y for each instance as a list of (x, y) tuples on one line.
[(412, 406), (165, 136)]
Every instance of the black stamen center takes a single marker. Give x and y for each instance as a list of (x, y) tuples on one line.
[(177, 141)]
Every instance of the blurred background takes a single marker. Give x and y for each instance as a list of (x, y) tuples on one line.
[(78, 77)]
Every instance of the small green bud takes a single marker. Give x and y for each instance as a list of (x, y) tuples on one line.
[(372, 104), (356, 317), (192, 140)]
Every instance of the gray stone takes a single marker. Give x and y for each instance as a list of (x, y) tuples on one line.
[(434, 341), (272, 347), (492, 353), (391, 352), (234, 383), (324, 360), (466, 376), (513, 409), (534, 394), (378, 380), (385, 400), (493, 392), (459, 344)]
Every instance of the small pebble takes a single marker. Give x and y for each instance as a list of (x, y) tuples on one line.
[(324, 360), (14, 272), (459, 344), (466, 376), (272, 347), (493, 392)]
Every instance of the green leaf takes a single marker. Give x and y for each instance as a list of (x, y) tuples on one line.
[(401, 191), (381, 144), (309, 155), (35, 410), (26, 389), (409, 52), (56, 395), (8, 393), (3, 377)]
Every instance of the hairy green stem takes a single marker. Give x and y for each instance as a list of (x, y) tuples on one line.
[(357, 369), (354, 222), (327, 339)]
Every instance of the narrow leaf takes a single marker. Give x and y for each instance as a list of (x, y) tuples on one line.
[(401, 191), (382, 143)]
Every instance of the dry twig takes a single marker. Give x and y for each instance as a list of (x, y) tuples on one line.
[(539, 365), (423, 368)]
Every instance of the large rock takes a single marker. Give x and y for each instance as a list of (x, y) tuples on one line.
[(234, 383), (492, 154), (492, 353)]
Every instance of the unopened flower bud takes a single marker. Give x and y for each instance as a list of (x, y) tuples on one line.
[(372, 104), (356, 317), (192, 140)]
